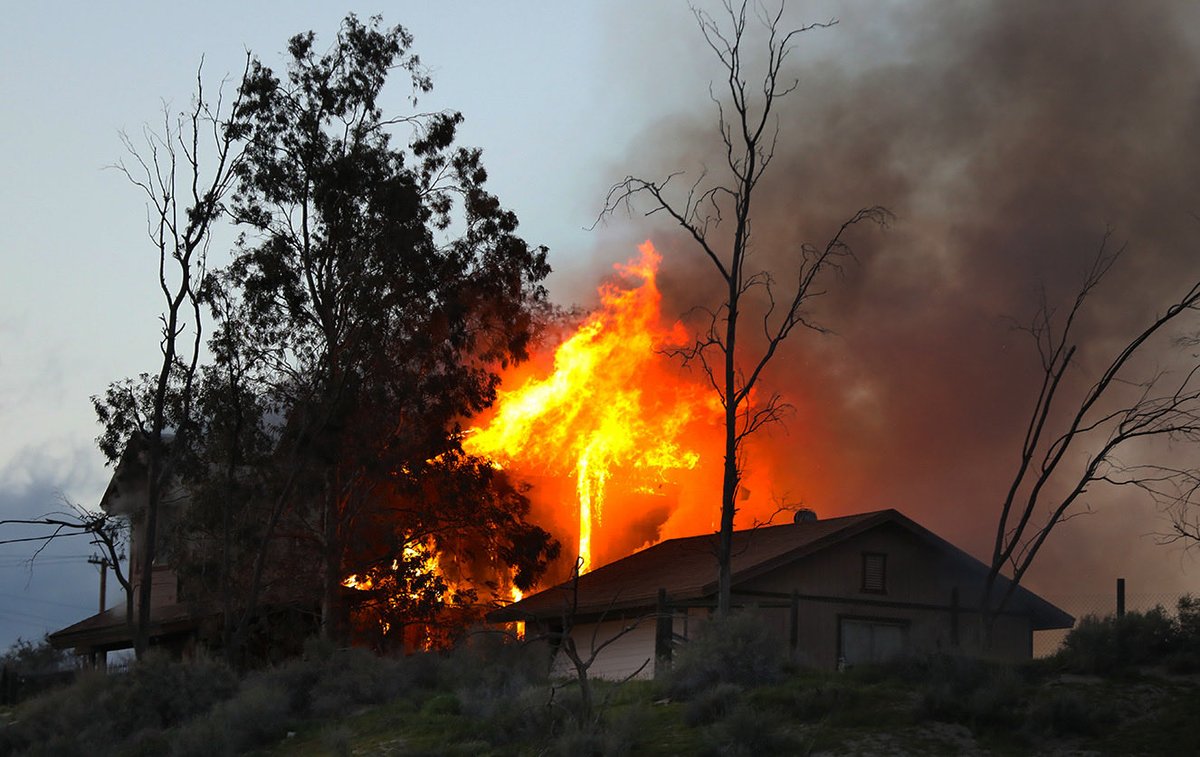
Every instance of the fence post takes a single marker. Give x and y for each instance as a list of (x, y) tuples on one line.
[(663, 632), (1120, 597), (954, 617), (794, 625)]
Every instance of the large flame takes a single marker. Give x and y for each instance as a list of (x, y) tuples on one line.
[(611, 408), (621, 447)]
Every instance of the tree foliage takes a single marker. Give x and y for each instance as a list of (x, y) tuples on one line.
[(383, 286), (375, 290)]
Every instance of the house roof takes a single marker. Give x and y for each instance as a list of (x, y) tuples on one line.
[(108, 629), (686, 569)]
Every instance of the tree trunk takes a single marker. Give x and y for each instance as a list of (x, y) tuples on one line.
[(331, 577), (141, 636), (729, 479)]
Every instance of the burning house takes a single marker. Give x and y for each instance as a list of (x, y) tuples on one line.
[(613, 446), (843, 591)]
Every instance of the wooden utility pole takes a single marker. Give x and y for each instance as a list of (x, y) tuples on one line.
[(103, 563), (99, 660)]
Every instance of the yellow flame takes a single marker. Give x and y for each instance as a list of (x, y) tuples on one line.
[(597, 410), (517, 594)]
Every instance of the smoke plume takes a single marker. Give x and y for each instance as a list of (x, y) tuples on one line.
[(1006, 137)]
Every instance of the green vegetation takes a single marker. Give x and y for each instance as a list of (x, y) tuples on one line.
[(491, 696), (1112, 645)]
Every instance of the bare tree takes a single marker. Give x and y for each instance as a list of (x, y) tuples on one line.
[(1104, 426), (718, 218), (1185, 519), (185, 171), (582, 659)]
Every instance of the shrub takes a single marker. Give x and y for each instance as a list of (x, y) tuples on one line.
[(1187, 624), (526, 714), (328, 682), (1108, 645), (1185, 652), (495, 662), (1066, 713), (967, 690), (160, 692), (336, 741), (615, 736), (748, 731), (441, 704), (351, 678), (256, 716), (579, 741), (504, 685), (737, 649), (119, 713), (807, 701), (30, 669), (996, 702), (712, 704)]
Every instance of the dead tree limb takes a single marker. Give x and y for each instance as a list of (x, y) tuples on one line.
[(1046, 488), (582, 660)]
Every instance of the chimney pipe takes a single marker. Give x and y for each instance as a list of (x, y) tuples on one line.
[(805, 515)]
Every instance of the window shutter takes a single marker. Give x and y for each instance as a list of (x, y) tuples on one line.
[(874, 578)]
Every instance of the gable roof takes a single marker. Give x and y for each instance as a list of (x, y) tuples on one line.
[(686, 568)]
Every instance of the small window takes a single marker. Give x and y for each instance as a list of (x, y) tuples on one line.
[(874, 575)]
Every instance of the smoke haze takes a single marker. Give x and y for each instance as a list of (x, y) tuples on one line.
[(1006, 137)]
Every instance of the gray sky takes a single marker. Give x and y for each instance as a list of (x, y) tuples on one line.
[(564, 98)]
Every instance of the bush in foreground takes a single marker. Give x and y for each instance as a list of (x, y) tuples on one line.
[(125, 713), (737, 649), (1111, 645)]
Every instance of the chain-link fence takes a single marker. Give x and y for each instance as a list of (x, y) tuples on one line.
[(1046, 643)]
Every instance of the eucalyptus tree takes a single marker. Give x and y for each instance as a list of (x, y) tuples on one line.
[(384, 286)]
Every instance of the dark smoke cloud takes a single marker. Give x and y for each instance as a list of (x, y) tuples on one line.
[(1006, 137)]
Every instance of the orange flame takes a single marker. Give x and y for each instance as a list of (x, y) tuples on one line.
[(605, 409), (621, 446)]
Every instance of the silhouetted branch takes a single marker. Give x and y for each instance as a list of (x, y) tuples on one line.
[(1159, 410)]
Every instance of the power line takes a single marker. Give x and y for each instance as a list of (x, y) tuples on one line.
[(47, 560), (10, 614), (30, 623), (43, 601)]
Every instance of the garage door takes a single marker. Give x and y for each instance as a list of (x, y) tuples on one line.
[(872, 640)]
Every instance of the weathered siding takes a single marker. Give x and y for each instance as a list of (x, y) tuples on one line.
[(921, 582), (916, 575), (618, 660)]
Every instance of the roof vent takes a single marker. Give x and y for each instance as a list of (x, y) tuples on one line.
[(805, 515)]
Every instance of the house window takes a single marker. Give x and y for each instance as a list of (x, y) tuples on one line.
[(874, 573)]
